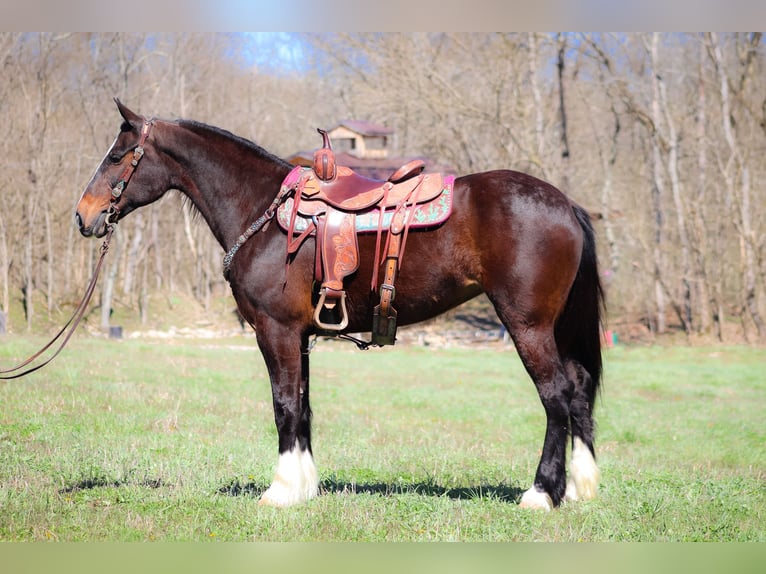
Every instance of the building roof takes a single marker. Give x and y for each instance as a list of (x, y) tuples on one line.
[(365, 128), (374, 168)]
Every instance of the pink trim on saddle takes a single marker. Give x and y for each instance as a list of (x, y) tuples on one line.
[(293, 177), (423, 215)]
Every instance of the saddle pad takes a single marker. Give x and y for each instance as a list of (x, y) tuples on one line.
[(427, 214)]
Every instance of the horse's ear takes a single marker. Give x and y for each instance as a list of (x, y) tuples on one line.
[(129, 116)]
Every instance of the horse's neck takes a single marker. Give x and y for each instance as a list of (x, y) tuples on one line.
[(229, 181)]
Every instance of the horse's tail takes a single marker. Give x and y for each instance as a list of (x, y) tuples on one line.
[(578, 328)]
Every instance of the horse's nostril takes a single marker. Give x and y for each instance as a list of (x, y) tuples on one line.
[(81, 225)]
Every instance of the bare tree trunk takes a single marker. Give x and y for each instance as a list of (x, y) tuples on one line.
[(566, 164), (28, 283), (109, 281), (700, 244), (4, 275), (685, 306), (196, 255), (657, 194), (143, 299), (607, 156), (49, 264), (134, 253), (607, 162), (539, 124), (749, 271), (736, 166), (160, 277)]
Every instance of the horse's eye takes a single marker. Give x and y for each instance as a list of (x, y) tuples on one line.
[(115, 158)]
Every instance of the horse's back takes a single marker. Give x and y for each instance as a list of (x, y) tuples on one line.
[(511, 197), (508, 232)]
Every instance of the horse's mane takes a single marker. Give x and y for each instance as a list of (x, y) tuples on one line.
[(200, 127), (208, 130)]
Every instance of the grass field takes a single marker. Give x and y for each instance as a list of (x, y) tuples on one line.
[(174, 440)]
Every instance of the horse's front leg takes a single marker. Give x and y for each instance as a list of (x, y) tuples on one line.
[(287, 360)]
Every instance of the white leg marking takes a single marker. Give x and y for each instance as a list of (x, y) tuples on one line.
[(571, 491), (295, 481), (310, 475), (584, 474), (536, 500)]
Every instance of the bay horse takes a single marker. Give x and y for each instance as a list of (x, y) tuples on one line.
[(512, 236)]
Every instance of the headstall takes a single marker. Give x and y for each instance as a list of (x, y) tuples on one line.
[(119, 187)]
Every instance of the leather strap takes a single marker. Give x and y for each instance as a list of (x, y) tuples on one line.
[(127, 173), (74, 321), (111, 221), (387, 288), (375, 265)]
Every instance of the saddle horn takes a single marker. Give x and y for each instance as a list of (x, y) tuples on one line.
[(324, 159)]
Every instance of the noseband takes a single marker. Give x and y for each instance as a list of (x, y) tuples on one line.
[(113, 212)]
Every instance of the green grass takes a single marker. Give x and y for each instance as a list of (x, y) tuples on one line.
[(175, 440)]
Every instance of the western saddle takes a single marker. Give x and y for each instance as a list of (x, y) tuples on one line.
[(333, 203)]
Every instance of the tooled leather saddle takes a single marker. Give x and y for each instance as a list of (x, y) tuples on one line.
[(333, 203)]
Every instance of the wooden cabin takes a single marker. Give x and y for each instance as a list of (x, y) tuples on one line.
[(365, 148)]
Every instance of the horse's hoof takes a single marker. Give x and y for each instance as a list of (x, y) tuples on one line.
[(269, 502), (279, 495), (536, 500), (274, 499)]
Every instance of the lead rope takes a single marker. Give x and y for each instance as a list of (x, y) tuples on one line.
[(111, 220), (74, 321)]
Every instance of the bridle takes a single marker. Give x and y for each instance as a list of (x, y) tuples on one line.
[(119, 187), (112, 215)]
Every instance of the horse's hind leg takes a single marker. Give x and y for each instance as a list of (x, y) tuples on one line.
[(584, 475), (539, 354), (287, 360)]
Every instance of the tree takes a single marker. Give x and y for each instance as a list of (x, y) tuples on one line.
[(736, 171), (658, 135)]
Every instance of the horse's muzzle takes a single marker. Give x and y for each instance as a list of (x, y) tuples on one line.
[(97, 227)]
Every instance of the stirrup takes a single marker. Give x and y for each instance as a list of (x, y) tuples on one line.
[(340, 325)]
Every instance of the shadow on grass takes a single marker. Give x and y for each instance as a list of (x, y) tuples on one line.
[(502, 492), (103, 482)]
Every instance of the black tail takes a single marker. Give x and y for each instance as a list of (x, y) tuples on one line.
[(578, 329)]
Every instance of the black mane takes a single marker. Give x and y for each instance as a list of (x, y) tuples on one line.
[(201, 127)]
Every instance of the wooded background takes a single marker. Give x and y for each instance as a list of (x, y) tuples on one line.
[(660, 136)]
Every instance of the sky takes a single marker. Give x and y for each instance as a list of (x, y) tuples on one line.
[(276, 50), (391, 15)]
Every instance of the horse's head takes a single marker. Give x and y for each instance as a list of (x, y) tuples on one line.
[(128, 177)]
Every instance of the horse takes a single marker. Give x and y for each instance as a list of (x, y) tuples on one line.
[(514, 237)]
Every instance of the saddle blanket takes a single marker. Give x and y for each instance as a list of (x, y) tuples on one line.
[(420, 215)]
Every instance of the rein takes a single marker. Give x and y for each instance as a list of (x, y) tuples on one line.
[(111, 221), (74, 321)]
